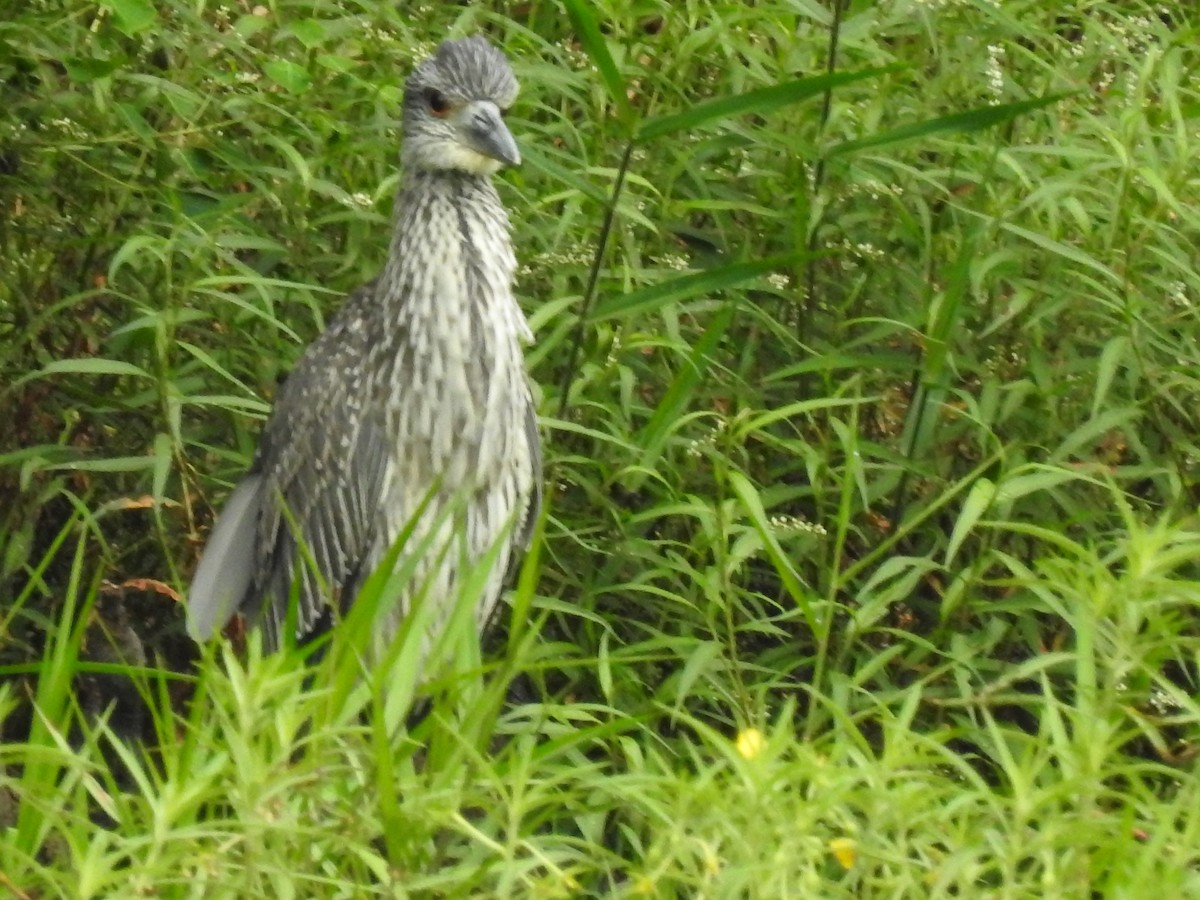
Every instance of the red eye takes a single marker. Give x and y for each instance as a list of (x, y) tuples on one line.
[(438, 104)]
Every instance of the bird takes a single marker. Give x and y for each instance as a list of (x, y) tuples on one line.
[(413, 406)]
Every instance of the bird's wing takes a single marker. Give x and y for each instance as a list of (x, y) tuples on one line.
[(534, 509), (324, 460), (319, 520), (227, 566), (309, 503), (306, 483)]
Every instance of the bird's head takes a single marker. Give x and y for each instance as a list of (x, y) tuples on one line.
[(454, 103)]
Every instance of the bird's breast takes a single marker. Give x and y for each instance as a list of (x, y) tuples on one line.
[(457, 363)]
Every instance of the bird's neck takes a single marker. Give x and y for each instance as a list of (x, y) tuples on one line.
[(434, 206), (447, 289), (450, 245), (454, 329)]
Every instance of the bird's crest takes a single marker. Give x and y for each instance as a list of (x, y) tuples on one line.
[(470, 68)]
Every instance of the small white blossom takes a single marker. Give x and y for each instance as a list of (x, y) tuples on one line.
[(1162, 702), (995, 68), (796, 525), (863, 249)]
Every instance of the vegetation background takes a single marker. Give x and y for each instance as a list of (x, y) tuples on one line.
[(870, 562)]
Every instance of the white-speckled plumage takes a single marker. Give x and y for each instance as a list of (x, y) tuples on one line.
[(417, 389)]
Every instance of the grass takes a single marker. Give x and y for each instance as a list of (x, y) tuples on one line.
[(867, 350)]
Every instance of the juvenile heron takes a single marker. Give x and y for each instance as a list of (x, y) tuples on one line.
[(417, 391)]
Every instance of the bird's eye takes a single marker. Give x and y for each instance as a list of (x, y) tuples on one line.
[(504, 112), (438, 104)]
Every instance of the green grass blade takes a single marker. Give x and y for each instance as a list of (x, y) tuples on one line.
[(964, 122), (653, 297), (668, 415), (593, 41), (751, 500), (759, 101)]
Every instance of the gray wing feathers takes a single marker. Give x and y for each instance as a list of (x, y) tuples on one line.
[(320, 466), (534, 508), (334, 500), (227, 567)]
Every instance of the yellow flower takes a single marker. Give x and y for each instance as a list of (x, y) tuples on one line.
[(644, 886), (845, 851), (750, 742)]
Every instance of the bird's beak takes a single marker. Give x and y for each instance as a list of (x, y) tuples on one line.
[(485, 132)]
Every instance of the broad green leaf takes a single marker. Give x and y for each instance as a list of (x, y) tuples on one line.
[(91, 366), (248, 307), (133, 16), (184, 101), (156, 319), (762, 100), (1081, 443), (595, 434), (971, 120), (138, 246), (656, 296), (800, 407), (41, 453), (204, 357), (979, 501), (288, 75), (132, 116), (230, 402), (1041, 479), (336, 62), (604, 666), (1111, 358), (549, 311), (298, 161), (538, 159), (84, 70), (111, 464), (249, 25), (699, 662), (924, 416), (1066, 251), (895, 581), (310, 32), (163, 459)]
